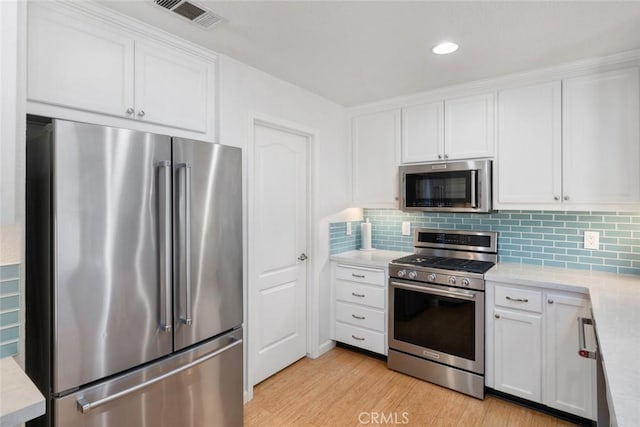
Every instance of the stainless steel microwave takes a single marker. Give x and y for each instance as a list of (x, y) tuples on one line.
[(462, 186)]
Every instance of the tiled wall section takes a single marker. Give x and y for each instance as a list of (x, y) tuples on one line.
[(339, 241), (9, 309), (530, 237)]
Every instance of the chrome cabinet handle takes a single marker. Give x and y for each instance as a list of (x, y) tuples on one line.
[(357, 295), (141, 113), (497, 316), (359, 276), (130, 110), (302, 257), (85, 406), (550, 301), (446, 156), (357, 317), (357, 338), (164, 219), (439, 156), (566, 197), (186, 318), (556, 198), (517, 299), (582, 350)]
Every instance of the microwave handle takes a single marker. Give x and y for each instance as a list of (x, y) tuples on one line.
[(474, 186)]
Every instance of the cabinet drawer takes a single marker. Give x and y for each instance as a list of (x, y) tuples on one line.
[(360, 275), (372, 296), (521, 299), (359, 337), (360, 316)]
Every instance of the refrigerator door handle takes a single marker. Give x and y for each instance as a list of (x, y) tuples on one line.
[(85, 406), (186, 250), (164, 219)]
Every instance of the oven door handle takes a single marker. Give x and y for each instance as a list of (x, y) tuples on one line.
[(433, 290)]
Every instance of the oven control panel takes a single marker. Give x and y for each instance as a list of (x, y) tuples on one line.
[(440, 277)]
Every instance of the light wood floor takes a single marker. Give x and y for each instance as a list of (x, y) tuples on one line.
[(346, 388)]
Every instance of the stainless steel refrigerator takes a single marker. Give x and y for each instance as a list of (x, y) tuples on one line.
[(133, 277)]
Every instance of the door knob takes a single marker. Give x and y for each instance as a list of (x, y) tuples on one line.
[(302, 257)]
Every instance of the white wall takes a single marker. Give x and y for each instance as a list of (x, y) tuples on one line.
[(245, 92)]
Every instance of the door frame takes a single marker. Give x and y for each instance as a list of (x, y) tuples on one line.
[(312, 291)]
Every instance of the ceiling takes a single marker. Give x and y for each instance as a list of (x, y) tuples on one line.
[(356, 52)]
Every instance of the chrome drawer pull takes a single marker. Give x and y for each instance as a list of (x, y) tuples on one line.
[(517, 299), (359, 276), (357, 317), (357, 338), (357, 295)]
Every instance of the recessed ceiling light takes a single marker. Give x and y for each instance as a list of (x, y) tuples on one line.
[(445, 48)]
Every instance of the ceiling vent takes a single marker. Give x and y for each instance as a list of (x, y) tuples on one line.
[(189, 10)]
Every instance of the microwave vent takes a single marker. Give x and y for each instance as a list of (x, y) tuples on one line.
[(189, 10)]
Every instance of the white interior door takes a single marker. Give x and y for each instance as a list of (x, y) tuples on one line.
[(278, 284)]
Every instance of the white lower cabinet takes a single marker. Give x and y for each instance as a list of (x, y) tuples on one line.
[(359, 307), (532, 347), (570, 380), (517, 353)]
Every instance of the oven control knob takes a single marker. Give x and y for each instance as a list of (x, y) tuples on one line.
[(465, 282), (452, 280), (402, 273), (413, 275), (432, 277)]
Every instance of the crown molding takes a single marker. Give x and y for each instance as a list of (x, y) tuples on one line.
[(556, 72), (128, 24)]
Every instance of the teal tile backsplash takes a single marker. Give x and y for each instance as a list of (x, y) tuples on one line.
[(9, 310), (340, 241), (528, 237)]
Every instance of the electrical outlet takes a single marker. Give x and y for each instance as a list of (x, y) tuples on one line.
[(591, 240), (348, 229), (406, 228)]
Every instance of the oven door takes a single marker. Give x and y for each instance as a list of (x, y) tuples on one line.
[(438, 323)]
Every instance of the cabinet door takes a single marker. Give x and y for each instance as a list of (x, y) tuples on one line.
[(78, 64), (469, 127), (172, 87), (517, 353), (376, 139), (601, 157), (570, 380), (529, 144), (423, 133)]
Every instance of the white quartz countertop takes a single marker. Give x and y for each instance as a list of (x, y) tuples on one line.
[(20, 400), (615, 301), (374, 258)]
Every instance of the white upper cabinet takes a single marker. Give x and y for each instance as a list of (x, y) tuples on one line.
[(172, 87), (460, 128), (573, 144), (77, 64), (601, 140), (83, 68), (469, 127), (423, 133), (375, 141), (529, 168)]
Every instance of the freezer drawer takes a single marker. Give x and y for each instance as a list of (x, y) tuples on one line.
[(199, 387)]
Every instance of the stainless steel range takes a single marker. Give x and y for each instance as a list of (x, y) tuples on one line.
[(436, 308)]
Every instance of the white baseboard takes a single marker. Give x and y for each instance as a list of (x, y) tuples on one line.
[(326, 346)]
